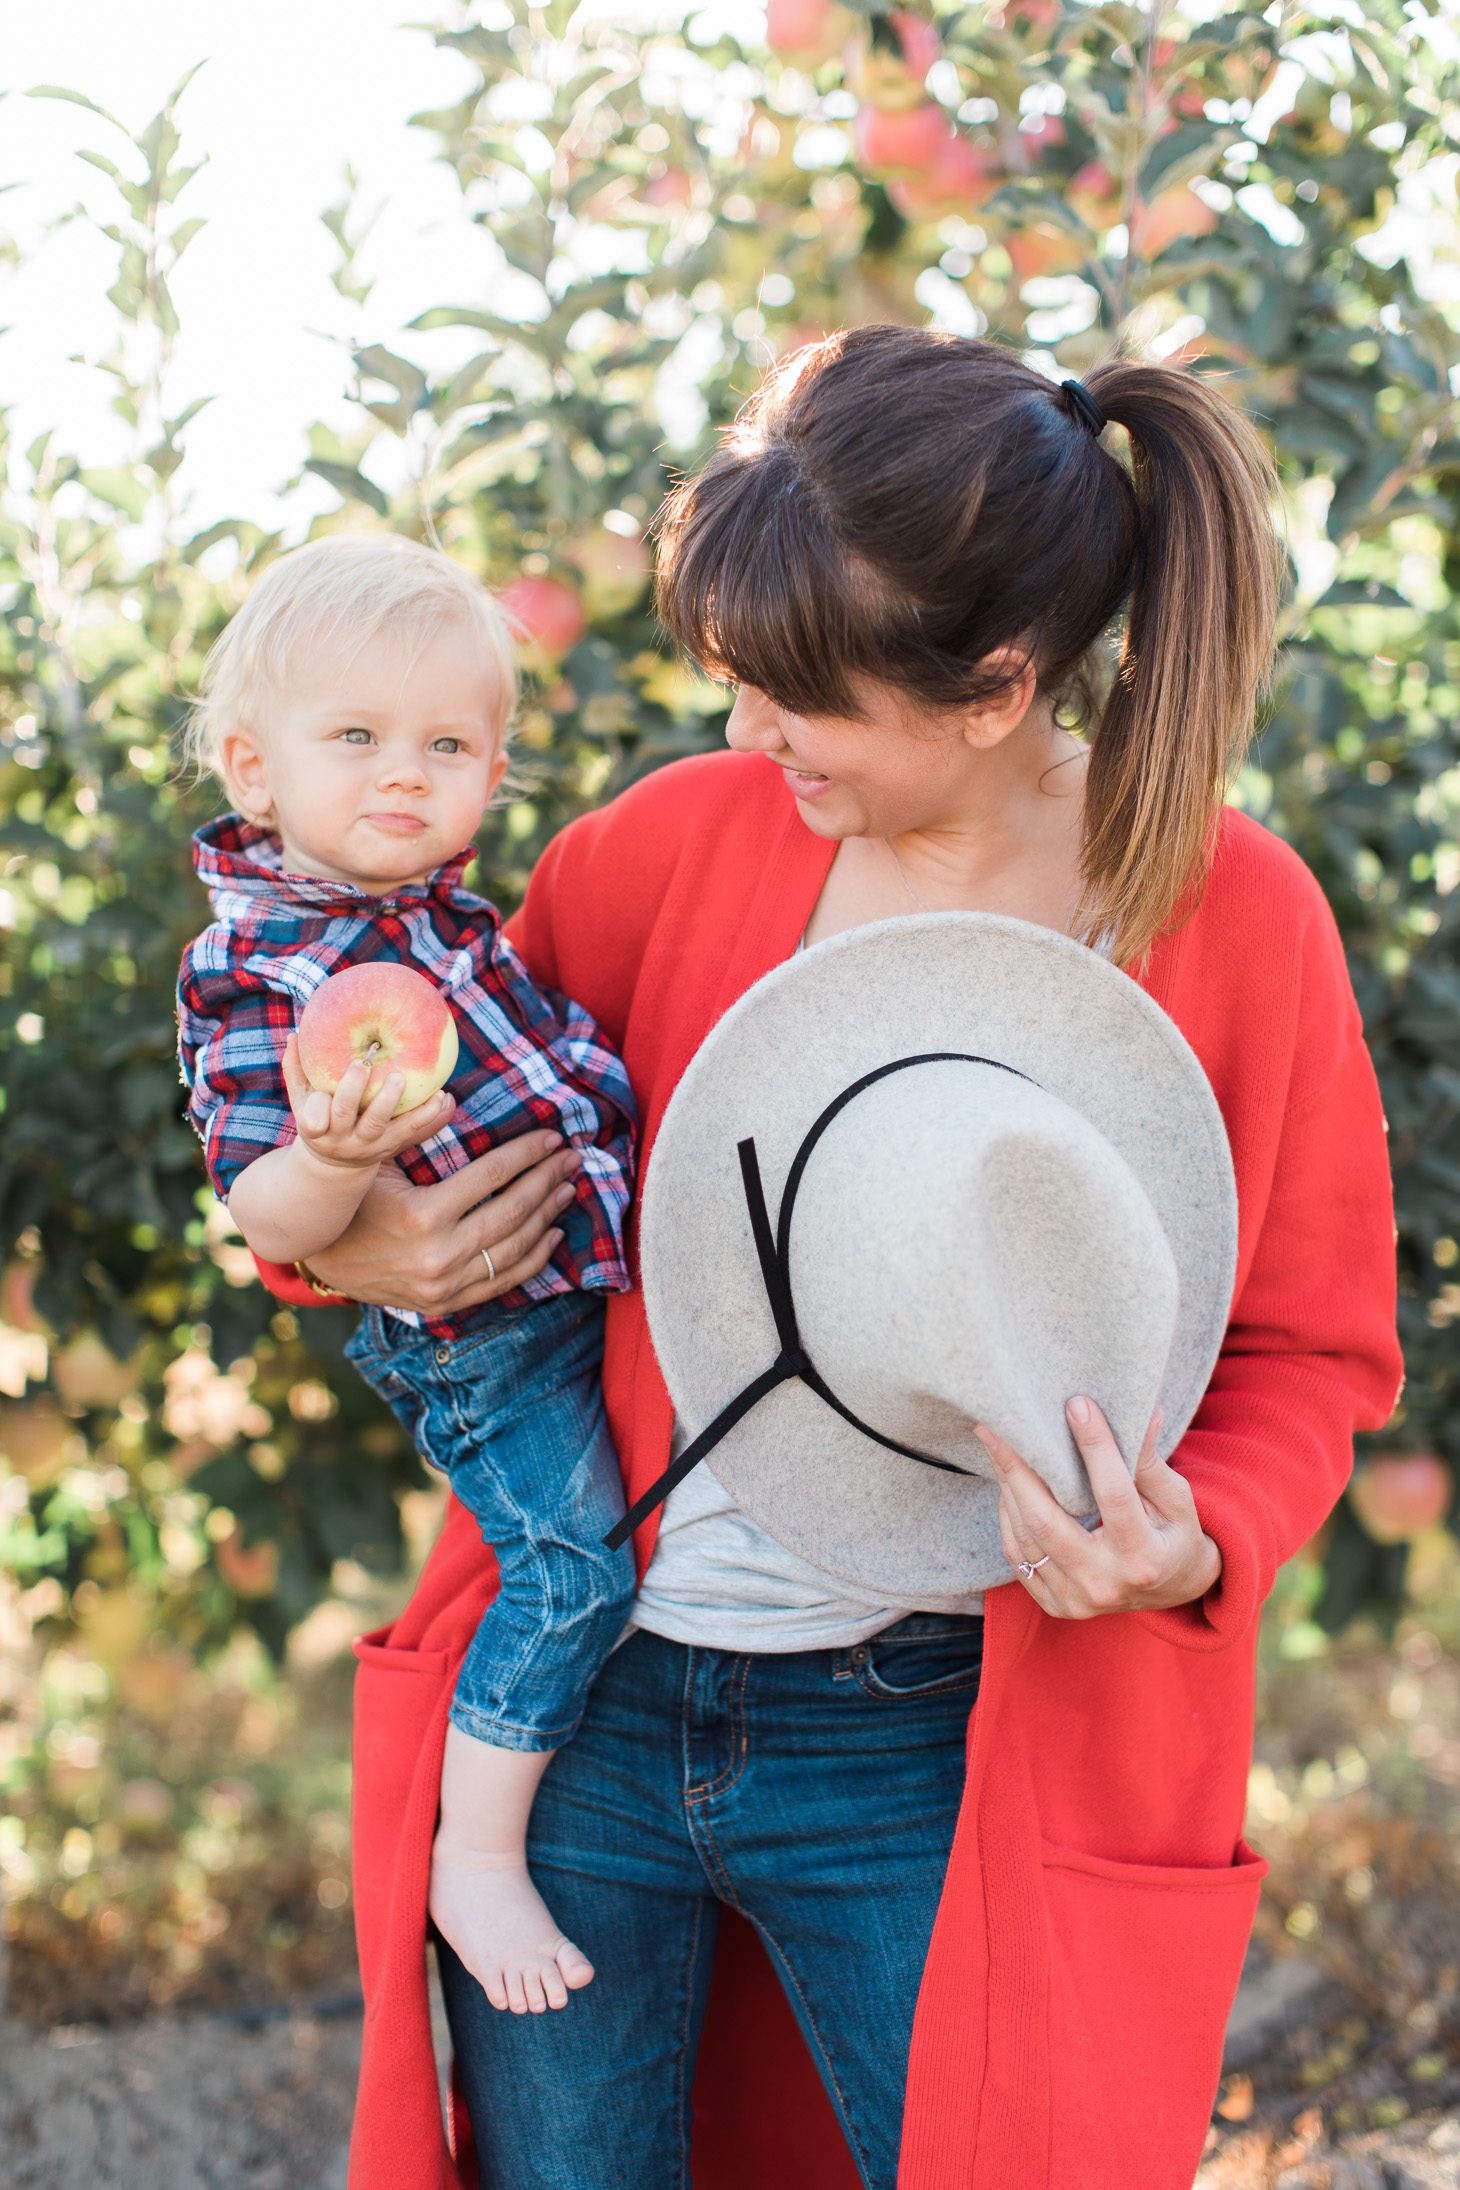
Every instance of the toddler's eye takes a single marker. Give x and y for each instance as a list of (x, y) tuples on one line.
[(453, 745), (354, 735)]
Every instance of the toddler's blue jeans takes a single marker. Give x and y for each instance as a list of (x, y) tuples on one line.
[(512, 1413)]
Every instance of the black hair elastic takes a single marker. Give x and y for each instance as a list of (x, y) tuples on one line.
[(1085, 403)]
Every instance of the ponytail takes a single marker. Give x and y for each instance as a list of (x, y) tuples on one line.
[(915, 506), (1197, 655)]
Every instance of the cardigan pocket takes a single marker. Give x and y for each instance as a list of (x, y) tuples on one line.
[(1144, 1960), (401, 1699)]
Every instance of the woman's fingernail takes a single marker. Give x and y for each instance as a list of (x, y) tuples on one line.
[(550, 1141), (1079, 1410), (563, 1196), (556, 1238)]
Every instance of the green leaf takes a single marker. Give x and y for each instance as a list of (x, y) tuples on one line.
[(99, 159), (121, 490), (74, 98), (351, 483), (377, 363)]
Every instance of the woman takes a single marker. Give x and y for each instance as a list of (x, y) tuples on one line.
[(903, 556)]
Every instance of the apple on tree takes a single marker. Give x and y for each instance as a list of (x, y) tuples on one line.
[(547, 613), (807, 31), (1399, 1495), (908, 143), (385, 1012)]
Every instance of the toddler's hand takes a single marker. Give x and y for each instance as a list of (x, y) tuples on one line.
[(337, 1131)]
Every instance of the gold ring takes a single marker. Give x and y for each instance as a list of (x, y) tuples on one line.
[(491, 1266)]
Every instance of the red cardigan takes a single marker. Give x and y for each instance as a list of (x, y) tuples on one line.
[(1099, 1895)]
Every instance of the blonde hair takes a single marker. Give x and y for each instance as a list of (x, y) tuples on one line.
[(346, 588)]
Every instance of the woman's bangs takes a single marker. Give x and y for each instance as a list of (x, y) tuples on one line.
[(750, 584)]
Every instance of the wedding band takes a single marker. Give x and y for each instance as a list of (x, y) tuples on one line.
[(491, 1266), (1028, 1567)]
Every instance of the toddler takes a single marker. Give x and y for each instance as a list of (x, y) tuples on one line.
[(356, 710)]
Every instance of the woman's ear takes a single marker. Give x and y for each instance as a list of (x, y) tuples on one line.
[(245, 774), (986, 722)]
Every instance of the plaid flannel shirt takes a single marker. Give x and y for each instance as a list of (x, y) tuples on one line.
[(529, 1056)]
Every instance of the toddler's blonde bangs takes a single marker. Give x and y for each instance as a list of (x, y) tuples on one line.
[(347, 588)]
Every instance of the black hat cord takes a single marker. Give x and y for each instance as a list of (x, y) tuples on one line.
[(774, 1254)]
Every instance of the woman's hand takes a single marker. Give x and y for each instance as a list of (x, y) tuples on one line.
[(421, 1246), (1149, 1549)]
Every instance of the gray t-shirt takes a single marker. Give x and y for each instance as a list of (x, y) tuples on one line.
[(717, 1579)]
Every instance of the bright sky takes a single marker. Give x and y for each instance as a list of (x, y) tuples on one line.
[(292, 91)]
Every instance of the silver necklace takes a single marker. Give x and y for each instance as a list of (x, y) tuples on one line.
[(902, 875)]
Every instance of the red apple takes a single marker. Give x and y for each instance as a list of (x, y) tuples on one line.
[(961, 176), (907, 144), (548, 614), (1400, 1495), (670, 186), (1034, 15), (385, 1004), (806, 31), (250, 1570), (1042, 250), (1172, 213)]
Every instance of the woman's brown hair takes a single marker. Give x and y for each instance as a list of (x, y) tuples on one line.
[(897, 504)]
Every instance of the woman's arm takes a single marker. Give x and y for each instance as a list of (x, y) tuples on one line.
[(421, 1246), (1311, 1353)]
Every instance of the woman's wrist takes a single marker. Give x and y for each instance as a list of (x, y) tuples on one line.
[(316, 1284)]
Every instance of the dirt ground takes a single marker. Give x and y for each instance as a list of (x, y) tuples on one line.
[(202, 2101)]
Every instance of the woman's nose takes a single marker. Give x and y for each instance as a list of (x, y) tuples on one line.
[(753, 725)]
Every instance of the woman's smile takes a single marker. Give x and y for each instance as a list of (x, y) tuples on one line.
[(804, 782)]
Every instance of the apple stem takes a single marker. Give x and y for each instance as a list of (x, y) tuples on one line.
[(371, 1054)]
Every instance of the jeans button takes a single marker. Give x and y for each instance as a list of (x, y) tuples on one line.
[(443, 1355)]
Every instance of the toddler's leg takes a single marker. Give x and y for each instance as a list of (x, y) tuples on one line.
[(482, 1900)]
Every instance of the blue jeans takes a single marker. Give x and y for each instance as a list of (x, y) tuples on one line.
[(815, 1791), (512, 1412)]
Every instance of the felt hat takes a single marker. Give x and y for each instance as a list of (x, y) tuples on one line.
[(937, 1169)]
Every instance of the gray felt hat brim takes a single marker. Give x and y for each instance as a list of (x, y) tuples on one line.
[(881, 1261)]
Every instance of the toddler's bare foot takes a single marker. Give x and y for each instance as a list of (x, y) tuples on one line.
[(492, 1915)]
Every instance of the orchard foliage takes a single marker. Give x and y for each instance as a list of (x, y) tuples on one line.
[(668, 211)]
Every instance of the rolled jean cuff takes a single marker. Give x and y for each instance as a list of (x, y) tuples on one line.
[(500, 1734)]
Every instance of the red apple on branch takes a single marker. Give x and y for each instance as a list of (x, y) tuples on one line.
[(384, 1012), (1400, 1495), (909, 143), (547, 614), (961, 176), (806, 31), (1171, 213)]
